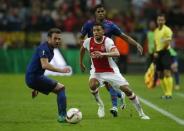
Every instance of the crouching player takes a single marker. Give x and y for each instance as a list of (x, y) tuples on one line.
[(103, 68), (37, 66)]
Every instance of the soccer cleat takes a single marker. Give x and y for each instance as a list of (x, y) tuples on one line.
[(114, 111), (166, 97), (122, 106), (101, 112), (61, 119), (144, 117)]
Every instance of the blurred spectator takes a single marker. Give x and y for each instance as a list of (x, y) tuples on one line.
[(150, 42), (69, 15)]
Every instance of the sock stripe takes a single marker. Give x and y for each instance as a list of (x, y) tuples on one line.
[(132, 97), (94, 91)]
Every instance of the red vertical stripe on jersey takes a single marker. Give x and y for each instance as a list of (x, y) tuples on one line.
[(100, 64)]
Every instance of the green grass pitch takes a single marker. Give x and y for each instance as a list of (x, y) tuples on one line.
[(19, 112)]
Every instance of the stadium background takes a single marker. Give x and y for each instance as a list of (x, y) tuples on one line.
[(23, 24)]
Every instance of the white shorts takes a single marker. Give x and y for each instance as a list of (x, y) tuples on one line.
[(115, 79)]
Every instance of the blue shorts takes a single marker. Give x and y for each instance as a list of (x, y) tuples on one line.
[(41, 83)]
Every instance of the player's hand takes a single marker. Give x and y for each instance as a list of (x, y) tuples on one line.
[(92, 55), (139, 48), (66, 70), (98, 54), (34, 93), (82, 67)]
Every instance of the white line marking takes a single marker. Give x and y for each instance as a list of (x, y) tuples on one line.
[(162, 111), (179, 94)]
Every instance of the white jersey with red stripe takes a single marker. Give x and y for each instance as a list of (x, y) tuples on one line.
[(105, 64)]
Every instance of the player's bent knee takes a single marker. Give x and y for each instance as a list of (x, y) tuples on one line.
[(59, 87), (93, 84), (132, 96), (126, 90), (95, 91), (93, 87)]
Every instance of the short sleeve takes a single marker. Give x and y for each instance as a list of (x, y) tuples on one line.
[(86, 43), (84, 29), (43, 53), (116, 30), (168, 33), (109, 44)]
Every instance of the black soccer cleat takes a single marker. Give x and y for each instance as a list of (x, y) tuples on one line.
[(114, 111)]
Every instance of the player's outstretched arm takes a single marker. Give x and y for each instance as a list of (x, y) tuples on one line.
[(47, 66), (82, 52), (132, 41)]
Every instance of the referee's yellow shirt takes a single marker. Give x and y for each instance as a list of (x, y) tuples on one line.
[(161, 35)]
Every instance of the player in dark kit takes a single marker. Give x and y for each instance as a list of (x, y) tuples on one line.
[(35, 78), (110, 30)]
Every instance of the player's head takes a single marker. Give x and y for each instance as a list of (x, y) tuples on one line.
[(152, 25), (54, 37), (100, 12), (98, 31), (161, 19)]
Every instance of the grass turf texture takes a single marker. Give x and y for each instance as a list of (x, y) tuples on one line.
[(19, 112)]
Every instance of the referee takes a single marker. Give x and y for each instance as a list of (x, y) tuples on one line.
[(163, 60)]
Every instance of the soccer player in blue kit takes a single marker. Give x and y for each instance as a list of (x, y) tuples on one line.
[(110, 30), (35, 78)]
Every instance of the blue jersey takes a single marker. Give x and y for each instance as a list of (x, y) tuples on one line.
[(42, 51), (110, 28)]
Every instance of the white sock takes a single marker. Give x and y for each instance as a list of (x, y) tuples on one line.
[(97, 97), (136, 104), (122, 94)]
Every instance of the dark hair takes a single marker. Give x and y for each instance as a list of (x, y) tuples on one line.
[(161, 15), (99, 24), (98, 6), (53, 30)]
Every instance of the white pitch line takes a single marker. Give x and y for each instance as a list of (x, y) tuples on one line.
[(162, 111), (179, 94)]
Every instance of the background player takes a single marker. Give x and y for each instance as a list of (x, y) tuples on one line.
[(174, 67), (110, 30), (103, 68), (37, 66)]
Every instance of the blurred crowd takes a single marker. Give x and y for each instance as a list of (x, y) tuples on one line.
[(40, 15), (70, 15)]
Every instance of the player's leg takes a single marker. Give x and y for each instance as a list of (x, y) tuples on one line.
[(160, 69), (162, 83), (119, 82), (47, 85), (135, 100), (174, 68), (114, 95), (168, 80), (94, 84), (59, 90)]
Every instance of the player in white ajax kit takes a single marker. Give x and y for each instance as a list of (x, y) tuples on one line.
[(103, 68)]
